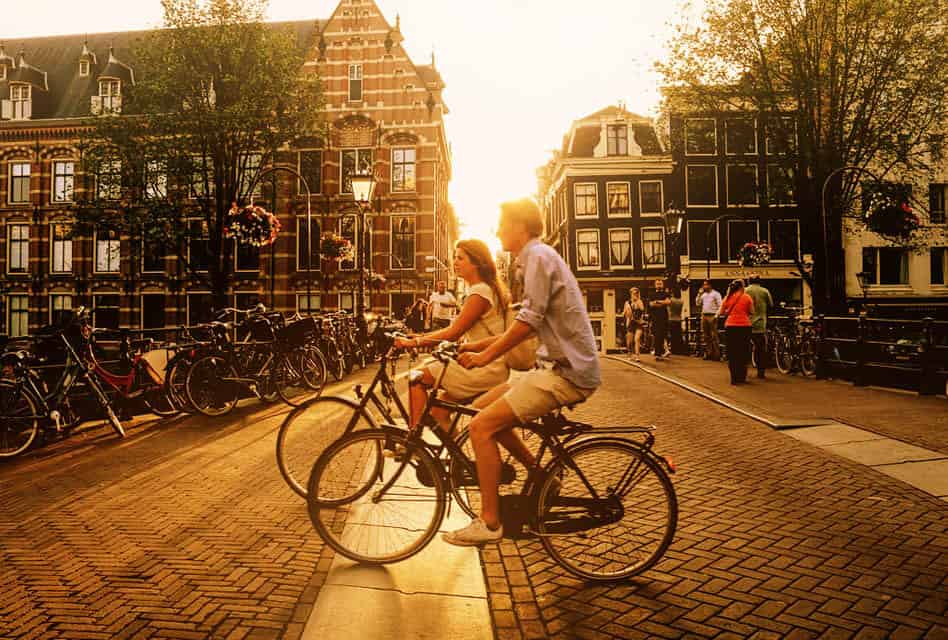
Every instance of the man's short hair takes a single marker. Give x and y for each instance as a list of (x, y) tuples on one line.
[(526, 212), (754, 278)]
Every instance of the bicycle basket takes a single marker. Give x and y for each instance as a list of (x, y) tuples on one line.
[(298, 332)]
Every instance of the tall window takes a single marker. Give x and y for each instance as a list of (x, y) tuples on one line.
[(60, 259), (586, 199), (247, 257), (587, 248), (702, 240), (59, 304), (651, 197), (617, 195), (200, 308), (302, 244), (354, 161), (617, 137), (64, 174), (202, 177), (21, 101), (781, 136), (785, 239), (403, 169), (18, 248), (739, 233), (653, 247), (107, 252), (740, 136), (355, 83), (701, 137), (936, 203), (153, 256), (153, 311), (19, 320), (742, 189), (620, 248), (310, 165), (348, 225), (106, 312), (780, 191), (702, 185), (403, 242), (19, 182), (347, 302), (156, 179), (110, 93), (109, 180), (199, 246), (886, 265), (248, 165), (939, 262), (312, 303)]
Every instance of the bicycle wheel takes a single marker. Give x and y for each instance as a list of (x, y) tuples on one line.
[(157, 401), (19, 419), (208, 389), (783, 356), (621, 531), (175, 378), (807, 357), (380, 497), (106, 405), (334, 361), (309, 429), (316, 373), (288, 381)]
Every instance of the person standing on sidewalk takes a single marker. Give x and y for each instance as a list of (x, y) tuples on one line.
[(632, 312), (709, 301), (658, 305), (674, 323), (763, 303), (441, 307), (738, 308)]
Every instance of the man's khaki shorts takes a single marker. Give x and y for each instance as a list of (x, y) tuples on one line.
[(540, 391)]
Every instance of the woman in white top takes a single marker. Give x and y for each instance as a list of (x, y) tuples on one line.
[(482, 316)]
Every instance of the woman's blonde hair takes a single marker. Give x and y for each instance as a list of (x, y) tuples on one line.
[(479, 255)]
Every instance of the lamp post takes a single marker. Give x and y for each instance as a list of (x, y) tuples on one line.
[(707, 239), (865, 279), (435, 270), (674, 221), (363, 187)]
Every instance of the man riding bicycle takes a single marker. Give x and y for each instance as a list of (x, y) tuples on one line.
[(567, 361)]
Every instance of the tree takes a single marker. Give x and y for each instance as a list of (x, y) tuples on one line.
[(862, 81), (217, 94)]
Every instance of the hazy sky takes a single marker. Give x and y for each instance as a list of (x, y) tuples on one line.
[(518, 71)]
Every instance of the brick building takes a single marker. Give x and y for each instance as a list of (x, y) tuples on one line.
[(383, 113)]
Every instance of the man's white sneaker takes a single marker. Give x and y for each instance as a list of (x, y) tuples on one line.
[(474, 534)]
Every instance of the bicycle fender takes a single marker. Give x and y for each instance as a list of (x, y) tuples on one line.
[(663, 461)]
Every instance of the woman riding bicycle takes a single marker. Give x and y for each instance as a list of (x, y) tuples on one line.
[(482, 316)]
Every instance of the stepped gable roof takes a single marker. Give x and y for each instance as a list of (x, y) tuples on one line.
[(70, 93)]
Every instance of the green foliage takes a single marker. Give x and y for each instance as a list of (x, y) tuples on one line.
[(217, 92)]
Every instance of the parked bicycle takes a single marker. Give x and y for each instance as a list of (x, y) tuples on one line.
[(603, 507), (796, 343)]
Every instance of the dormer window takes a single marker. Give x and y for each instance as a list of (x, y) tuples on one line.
[(355, 83), (109, 99), (618, 140), (21, 103), (83, 68)]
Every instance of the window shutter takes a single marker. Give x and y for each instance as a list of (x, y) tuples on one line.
[(6, 110)]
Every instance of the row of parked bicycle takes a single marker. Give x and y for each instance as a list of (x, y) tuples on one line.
[(57, 379)]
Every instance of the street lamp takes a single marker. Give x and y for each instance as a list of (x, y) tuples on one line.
[(674, 221), (363, 187)]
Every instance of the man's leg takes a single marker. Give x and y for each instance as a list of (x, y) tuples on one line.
[(508, 438), (484, 429), (760, 351)]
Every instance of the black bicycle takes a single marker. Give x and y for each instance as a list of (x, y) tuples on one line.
[(602, 505)]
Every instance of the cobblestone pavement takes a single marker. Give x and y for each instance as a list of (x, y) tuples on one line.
[(919, 420), (776, 539), (183, 530)]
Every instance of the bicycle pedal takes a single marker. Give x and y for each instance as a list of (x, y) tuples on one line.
[(397, 454)]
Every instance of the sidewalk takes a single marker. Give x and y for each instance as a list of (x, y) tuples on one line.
[(918, 420)]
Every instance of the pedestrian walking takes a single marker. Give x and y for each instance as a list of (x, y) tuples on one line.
[(709, 301), (738, 308), (442, 304), (675, 341), (634, 312), (415, 316), (658, 305), (763, 303)]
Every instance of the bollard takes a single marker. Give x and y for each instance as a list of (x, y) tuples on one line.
[(927, 382), (821, 367), (859, 379)]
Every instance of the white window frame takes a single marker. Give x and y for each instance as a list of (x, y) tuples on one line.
[(795, 137), (141, 306), (597, 267), (414, 165), (312, 296), (84, 68), (196, 187), (727, 151), (740, 221), (717, 242), (393, 265), (727, 186), (247, 170), (661, 198), (21, 101), (343, 294), (619, 140), (65, 247), (944, 268), (25, 310), (203, 238), (359, 151), (793, 194), (355, 74), (653, 265), (586, 216), (299, 168), (878, 284), (53, 297), (354, 240), (685, 131), (69, 177), (158, 188), (24, 255), (95, 254), (316, 238), (770, 236), (717, 196), (631, 233), (10, 178), (110, 94), (628, 188), (113, 190)]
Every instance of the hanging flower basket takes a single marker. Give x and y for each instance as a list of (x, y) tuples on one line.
[(890, 216), (334, 247), (754, 254), (252, 225)]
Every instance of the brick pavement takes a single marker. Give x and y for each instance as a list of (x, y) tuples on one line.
[(776, 539), (920, 420), (183, 530)]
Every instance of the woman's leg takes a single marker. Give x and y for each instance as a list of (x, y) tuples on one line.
[(733, 352), (418, 393), (638, 340)]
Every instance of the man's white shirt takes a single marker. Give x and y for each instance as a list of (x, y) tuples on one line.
[(439, 310)]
